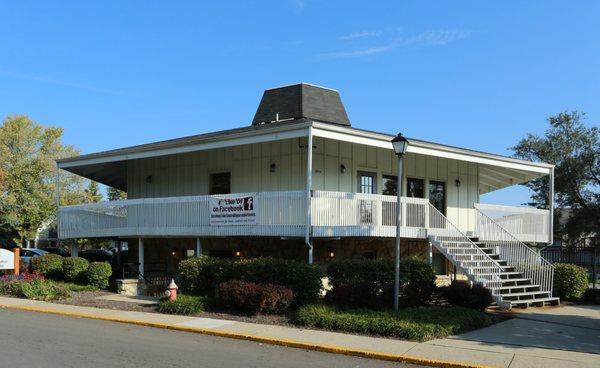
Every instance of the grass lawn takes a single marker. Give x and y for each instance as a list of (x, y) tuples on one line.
[(419, 324)]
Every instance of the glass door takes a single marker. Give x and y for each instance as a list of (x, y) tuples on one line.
[(366, 185), (415, 213)]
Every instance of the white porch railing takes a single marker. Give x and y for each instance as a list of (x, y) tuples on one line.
[(466, 255), (278, 214), (527, 224), (515, 252), (355, 214)]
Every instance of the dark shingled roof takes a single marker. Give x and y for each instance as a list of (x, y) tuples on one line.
[(301, 101)]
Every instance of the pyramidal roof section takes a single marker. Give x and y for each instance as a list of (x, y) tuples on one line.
[(300, 101)]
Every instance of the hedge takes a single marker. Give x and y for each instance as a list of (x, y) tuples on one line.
[(461, 293), (570, 281), (184, 304), (49, 265), (252, 298), (202, 275), (420, 324), (73, 268), (369, 283), (37, 289), (98, 273)]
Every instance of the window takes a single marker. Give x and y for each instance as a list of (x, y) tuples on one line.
[(366, 183), (389, 185), (220, 183), (415, 188), (437, 195)]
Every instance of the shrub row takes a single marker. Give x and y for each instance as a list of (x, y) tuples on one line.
[(420, 324), (202, 275), (32, 285), (369, 283), (184, 304), (73, 269), (252, 298)]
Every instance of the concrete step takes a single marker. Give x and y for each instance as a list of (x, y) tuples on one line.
[(531, 302)]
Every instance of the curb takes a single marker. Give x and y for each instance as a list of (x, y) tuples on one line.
[(261, 339)]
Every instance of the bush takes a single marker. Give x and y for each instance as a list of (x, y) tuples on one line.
[(570, 281), (38, 290), (373, 280), (462, 294), (49, 265), (73, 268), (364, 294), (184, 304), (97, 274), (201, 276), (252, 298), (423, 323)]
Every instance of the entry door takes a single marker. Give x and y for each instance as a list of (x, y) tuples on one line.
[(367, 184)]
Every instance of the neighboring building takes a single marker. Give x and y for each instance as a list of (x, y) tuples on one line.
[(303, 183)]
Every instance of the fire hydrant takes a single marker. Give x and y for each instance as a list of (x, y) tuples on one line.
[(171, 291)]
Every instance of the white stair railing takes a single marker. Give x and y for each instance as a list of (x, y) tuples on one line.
[(464, 254), (518, 255)]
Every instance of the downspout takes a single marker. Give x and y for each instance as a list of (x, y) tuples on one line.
[(309, 149)]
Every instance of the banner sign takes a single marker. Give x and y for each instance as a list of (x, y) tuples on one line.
[(233, 209), (7, 260)]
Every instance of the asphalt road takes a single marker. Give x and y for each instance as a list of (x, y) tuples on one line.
[(29, 339)]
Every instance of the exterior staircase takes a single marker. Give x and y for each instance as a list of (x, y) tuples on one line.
[(516, 275)]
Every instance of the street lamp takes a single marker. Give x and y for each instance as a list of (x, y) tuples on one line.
[(400, 144)]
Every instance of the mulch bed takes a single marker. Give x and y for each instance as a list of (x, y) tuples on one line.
[(90, 299)]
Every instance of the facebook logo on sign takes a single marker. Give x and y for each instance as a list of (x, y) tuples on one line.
[(248, 203)]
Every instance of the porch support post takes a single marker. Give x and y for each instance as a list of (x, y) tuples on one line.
[(57, 200), (309, 150), (141, 258), (74, 249), (198, 251), (551, 207)]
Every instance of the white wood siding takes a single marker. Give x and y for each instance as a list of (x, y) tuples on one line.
[(329, 155), (188, 174)]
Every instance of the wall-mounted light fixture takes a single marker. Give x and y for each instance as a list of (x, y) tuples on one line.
[(173, 252), (238, 252), (149, 179), (457, 182), (272, 167), (342, 168), (330, 253)]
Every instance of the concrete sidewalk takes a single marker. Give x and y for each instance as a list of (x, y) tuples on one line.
[(557, 337)]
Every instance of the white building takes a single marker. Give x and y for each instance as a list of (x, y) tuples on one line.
[(319, 188)]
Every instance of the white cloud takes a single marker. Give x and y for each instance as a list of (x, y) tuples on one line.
[(363, 34), (430, 38), (358, 53)]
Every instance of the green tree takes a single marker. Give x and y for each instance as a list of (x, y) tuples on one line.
[(28, 152), (93, 192), (114, 194), (575, 150)]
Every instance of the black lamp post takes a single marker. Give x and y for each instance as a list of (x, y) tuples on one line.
[(400, 144)]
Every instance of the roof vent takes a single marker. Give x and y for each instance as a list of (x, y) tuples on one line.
[(299, 101)]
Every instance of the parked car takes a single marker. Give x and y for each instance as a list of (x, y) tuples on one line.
[(28, 253), (96, 255), (56, 250)]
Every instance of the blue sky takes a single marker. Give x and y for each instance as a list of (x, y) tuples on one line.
[(469, 73)]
